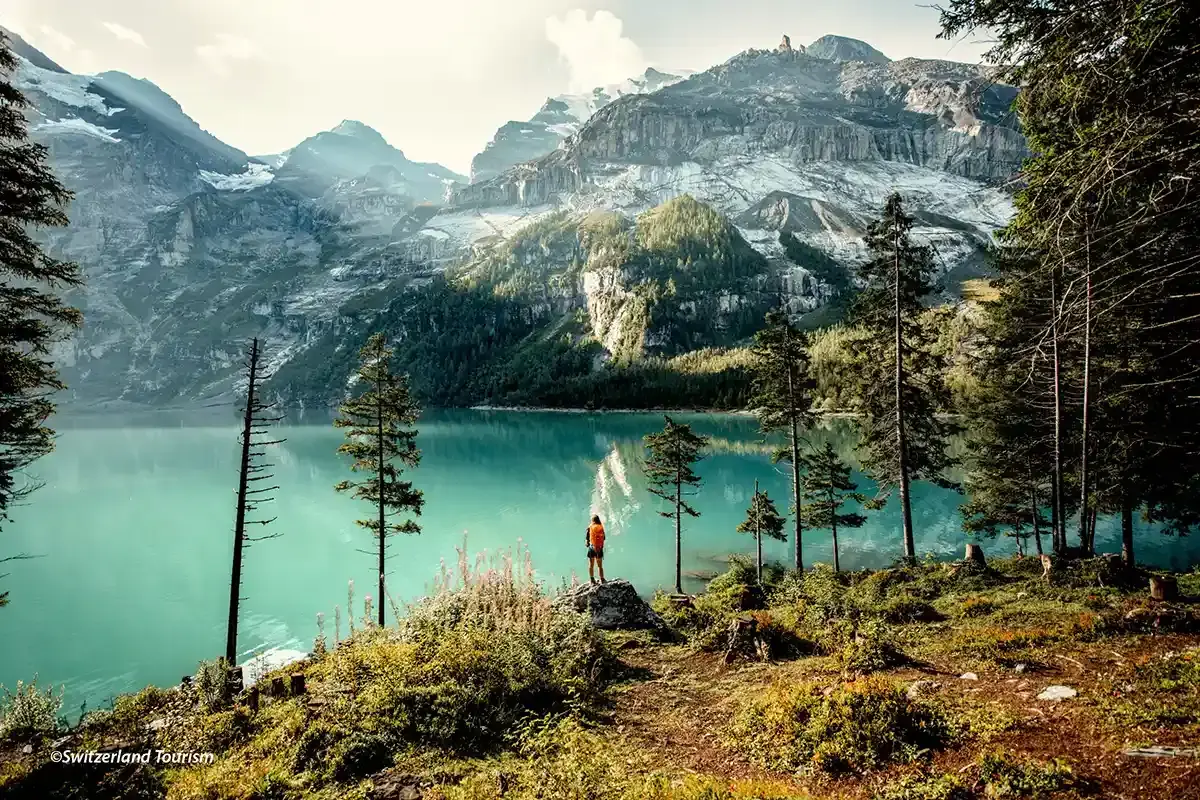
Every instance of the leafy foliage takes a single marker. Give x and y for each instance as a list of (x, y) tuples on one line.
[(827, 487), (29, 712), (762, 519), (668, 467)]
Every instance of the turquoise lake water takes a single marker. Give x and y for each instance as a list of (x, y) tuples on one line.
[(132, 530)]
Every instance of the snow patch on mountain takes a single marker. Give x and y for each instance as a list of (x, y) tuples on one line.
[(74, 125), (256, 175), (63, 87)]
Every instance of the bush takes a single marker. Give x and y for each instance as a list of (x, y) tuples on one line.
[(212, 683), (861, 725), (870, 649), (924, 786), (358, 756), (976, 607), (28, 713), (1005, 776)]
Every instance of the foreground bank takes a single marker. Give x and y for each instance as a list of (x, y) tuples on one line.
[(933, 681)]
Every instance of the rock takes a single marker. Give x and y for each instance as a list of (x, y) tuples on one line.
[(786, 45), (397, 787), (27, 749), (614, 605), (968, 676), (1019, 668), (921, 688), (1057, 692), (157, 724)]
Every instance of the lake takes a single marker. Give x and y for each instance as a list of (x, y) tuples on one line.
[(132, 530)]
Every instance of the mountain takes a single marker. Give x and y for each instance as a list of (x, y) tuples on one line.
[(559, 117), (611, 250)]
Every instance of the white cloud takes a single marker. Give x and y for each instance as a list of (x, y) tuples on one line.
[(58, 39), (595, 50), (228, 48), (124, 34)]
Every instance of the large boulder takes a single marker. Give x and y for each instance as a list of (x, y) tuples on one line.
[(614, 605)]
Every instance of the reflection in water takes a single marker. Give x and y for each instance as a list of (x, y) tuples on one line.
[(134, 526)]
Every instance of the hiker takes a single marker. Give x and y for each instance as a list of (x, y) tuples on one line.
[(595, 546)]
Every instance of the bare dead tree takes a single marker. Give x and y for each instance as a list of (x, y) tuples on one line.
[(252, 471)]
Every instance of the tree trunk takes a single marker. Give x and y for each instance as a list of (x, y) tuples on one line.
[(837, 564), (757, 533), (1127, 533), (1057, 511), (910, 550), (678, 535), (239, 525), (793, 401), (1037, 528), (382, 507), (1085, 541)]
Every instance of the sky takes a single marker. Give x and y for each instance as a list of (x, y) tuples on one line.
[(435, 78)]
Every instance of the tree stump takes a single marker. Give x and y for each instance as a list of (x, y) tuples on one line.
[(742, 635), (974, 556), (252, 699), (297, 686), (1163, 588), (278, 687), (681, 600), (185, 682), (237, 681)]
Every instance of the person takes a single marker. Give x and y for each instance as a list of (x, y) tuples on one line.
[(595, 549)]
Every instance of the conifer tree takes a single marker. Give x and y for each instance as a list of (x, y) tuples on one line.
[(672, 453), (762, 519), (33, 315), (782, 399), (250, 494), (900, 389), (827, 487), (381, 440)]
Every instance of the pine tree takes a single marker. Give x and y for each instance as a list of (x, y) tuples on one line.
[(827, 487), (668, 467), (32, 314), (782, 399), (762, 519), (251, 472), (381, 440), (900, 391)]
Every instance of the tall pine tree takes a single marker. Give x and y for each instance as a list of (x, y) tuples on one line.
[(672, 453), (827, 488), (762, 519), (782, 399), (33, 315), (381, 439), (900, 391)]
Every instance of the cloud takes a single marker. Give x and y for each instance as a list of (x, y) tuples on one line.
[(58, 39), (227, 48), (595, 50), (124, 34)]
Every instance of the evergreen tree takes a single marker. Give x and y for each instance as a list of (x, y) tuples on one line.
[(762, 519), (250, 495), (900, 388), (671, 455), (381, 440), (1109, 100), (32, 314), (827, 487), (782, 399)]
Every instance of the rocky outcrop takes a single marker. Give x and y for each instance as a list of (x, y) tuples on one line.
[(614, 605)]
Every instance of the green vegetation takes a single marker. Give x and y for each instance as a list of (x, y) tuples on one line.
[(762, 519), (29, 713), (33, 315), (827, 488), (671, 454), (381, 440)]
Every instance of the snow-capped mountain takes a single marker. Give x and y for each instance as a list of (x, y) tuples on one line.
[(190, 246), (559, 117)]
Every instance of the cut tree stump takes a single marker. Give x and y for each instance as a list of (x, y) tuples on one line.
[(298, 685), (1163, 588), (975, 555), (237, 680), (278, 687), (252, 698)]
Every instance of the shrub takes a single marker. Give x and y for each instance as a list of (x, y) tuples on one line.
[(871, 649), (358, 756), (924, 786), (212, 683), (1006, 776), (28, 713), (976, 607), (861, 725)]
